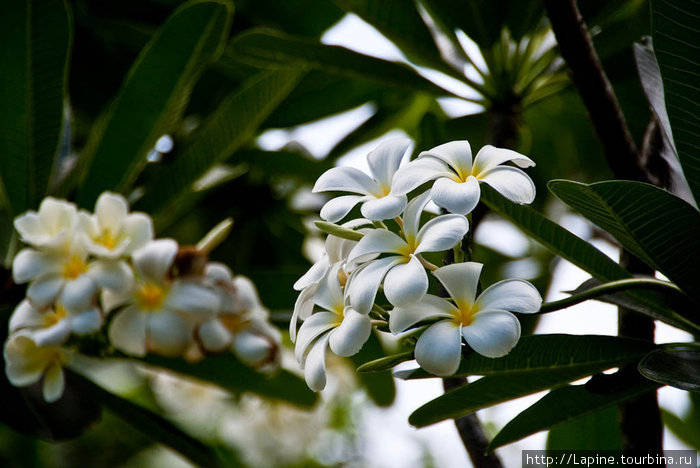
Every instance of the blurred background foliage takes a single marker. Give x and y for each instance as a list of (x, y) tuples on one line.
[(137, 70)]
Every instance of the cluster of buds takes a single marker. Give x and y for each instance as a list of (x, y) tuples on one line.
[(91, 273), (366, 258)]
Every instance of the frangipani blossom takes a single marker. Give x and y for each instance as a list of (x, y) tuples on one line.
[(405, 280), (26, 363), (337, 326), (53, 326), (67, 276), (113, 232), (49, 228), (485, 323), (159, 313), (457, 179), (375, 194)]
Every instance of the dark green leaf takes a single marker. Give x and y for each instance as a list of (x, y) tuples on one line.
[(380, 386), (602, 430), (36, 37), (677, 368), (156, 427), (385, 363), (271, 48), (230, 374), (306, 17), (659, 228), (676, 33), (153, 96), (231, 126), (568, 403), (555, 352), (577, 251)]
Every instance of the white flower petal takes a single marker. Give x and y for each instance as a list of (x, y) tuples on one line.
[(406, 283), (214, 336), (315, 365), (114, 275), (217, 272), (54, 335), (168, 333), (329, 295), (43, 291), (29, 264), (351, 334), (441, 233), (346, 179), (78, 294), (111, 300), (461, 280), (303, 307), (314, 274), (111, 210), (86, 322), (403, 317), (154, 259), (53, 384), (138, 228), (418, 172), (127, 332), (25, 315), (510, 182), (311, 329), (363, 284), (387, 207), (493, 333), (439, 348), (458, 154), (247, 297), (24, 361), (192, 298), (385, 160), (29, 226), (513, 295), (490, 157), (375, 242), (411, 216), (51, 226), (253, 349), (337, 208), (456, 197)]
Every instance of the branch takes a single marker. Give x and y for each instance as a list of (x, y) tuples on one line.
[(576, 47)]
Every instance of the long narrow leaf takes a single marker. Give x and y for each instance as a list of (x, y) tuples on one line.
[(153, 96), (35, 45)]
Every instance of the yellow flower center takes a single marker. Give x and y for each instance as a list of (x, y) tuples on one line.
[(466, 313), (55, 316), (74, 267), (106, 239), (150, 296)]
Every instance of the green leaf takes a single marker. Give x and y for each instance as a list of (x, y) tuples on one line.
[(659, 228), (602, 430), (555, 352), (36, 38), (579, 252), (677, 368), (385, 363), (537, 363), (153, 96), (230, 374), (231, 126), (155, 427), (265, 48), (380, 386), (676, 35), (569, 403)]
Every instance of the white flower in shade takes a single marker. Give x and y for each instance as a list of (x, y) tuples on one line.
[(404, 278), (53, 326), (113, 232), (26, 363), (159, 313), (456, 186), (49, 228), (337, 326), (378, 201), (66, 276), (486, 323)]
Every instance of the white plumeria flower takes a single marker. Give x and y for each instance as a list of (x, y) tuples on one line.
[(405, 280), (26, 363), (486, 323), (67, 276), (456, 186), (113, 232), (53, 326), (49, 228), (375, 194), (337, 326), (160, 313), (336, 251)]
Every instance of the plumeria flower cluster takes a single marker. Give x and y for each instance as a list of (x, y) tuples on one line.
[(90, 273), (381, 256)]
